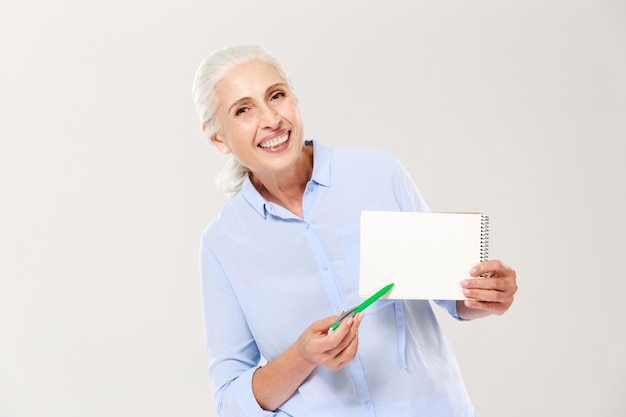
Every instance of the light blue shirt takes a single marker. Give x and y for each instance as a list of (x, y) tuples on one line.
[(267, 275)]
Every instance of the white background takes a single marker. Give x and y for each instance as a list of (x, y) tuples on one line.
[(517, 109)]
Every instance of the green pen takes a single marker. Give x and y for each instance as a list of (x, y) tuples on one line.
[(356, 310)]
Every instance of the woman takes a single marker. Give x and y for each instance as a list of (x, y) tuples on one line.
[(281, 262)]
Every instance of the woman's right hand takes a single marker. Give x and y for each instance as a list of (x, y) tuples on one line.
[(275, 383), (334, 350)]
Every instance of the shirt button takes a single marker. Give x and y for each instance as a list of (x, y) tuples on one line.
[(325, 267), (307, 225), (367, 405)]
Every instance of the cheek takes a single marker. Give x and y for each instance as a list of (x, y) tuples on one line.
[(239, 132), (293, 115)]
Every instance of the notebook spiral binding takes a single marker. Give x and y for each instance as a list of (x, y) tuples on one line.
[(484, 237)]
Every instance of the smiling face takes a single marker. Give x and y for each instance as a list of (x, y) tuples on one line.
[(258, 119)]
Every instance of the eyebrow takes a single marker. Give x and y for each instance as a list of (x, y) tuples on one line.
[(244, 99)]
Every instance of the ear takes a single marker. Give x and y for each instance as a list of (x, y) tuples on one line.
[(216, 139)]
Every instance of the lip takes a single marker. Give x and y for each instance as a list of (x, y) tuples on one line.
[(274, 136)]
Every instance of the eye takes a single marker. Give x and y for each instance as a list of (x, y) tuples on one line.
[(242, 110), (278, 95)]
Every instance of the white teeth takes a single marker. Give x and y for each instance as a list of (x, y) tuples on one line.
[(275, 142)]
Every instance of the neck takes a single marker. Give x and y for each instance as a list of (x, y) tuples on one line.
[(287, 188)]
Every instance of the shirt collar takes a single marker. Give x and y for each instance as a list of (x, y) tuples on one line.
[(321, 164), (321, 176)]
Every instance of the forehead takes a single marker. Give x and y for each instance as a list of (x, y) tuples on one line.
[(248, 79)]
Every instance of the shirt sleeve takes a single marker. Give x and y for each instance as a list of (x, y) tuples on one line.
[(410, 199), (406, 192), (232, 352)]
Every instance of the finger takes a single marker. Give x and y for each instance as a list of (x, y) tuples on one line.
[(348, 354), (322, 326), (343, 355), (491, 268), (483, 283), (337, 335), (350, 337), (316, 340), (493, 308), (332, 323), (329, 321), (500, 290), (491, 296), (353, 330)]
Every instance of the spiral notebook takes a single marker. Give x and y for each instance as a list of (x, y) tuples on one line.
[(426, 255)]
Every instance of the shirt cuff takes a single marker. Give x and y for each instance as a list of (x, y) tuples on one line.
[(245, 395), (450, 306)]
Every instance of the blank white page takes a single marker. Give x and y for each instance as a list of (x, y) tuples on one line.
[(426, 255)]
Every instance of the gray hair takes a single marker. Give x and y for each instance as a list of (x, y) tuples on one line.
[(210, 72)]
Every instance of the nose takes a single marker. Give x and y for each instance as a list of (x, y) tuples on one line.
[(270, 118)]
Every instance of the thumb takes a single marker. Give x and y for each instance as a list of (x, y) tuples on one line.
[(329, 321)]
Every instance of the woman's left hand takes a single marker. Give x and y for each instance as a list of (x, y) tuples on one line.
[(491, 294)]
